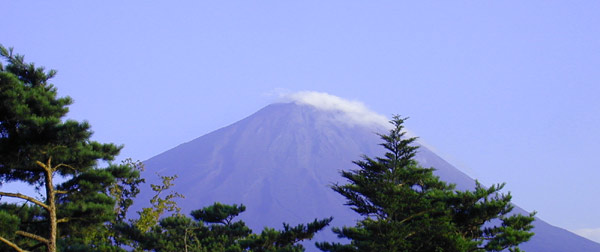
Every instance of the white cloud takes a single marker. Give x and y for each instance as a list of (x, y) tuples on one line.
[(590, 233), (353, 112)]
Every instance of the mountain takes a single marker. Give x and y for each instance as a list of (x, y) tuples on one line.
[(280, 162)]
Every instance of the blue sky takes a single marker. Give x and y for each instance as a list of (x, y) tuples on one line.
[(505, 90)]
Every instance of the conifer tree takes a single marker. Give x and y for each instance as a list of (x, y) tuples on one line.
[(405, 207), (36, 146), (213, 229)]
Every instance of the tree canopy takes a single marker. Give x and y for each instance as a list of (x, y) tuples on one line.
[(36, 145), (405, 207), (213, 229)]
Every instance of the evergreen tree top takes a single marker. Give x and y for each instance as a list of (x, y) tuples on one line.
[(405, 207), (32, 125)]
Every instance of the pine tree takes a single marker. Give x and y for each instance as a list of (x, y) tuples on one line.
[(37, 146), (407, 208), (212, 228)]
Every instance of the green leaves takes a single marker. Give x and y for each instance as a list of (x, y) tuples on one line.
[(149, 216), (9, 223)]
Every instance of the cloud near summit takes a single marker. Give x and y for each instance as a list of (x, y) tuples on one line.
[(352, 112)]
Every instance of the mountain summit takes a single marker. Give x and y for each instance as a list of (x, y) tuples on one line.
[(281, 161)]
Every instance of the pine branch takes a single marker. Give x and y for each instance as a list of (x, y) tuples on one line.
[(63, 165), (413, 216), (46, 167), (12, 245), (25, 197), (32, 236)]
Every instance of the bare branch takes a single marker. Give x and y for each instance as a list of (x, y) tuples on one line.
[(40, 164), (25, 197), (63, 165), (12, 245), (32, 236), (413, 216), (63, 220), (409, 235), (60, 192)]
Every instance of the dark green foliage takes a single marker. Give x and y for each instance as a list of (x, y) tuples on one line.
[(222, 227), (92, 209), (36, 145), (407, 208), (471, 209), (87, 213), (31, 128), (126, 187), (218, 213), (271, 240), (213, 229), (102, 237), (23, 217)]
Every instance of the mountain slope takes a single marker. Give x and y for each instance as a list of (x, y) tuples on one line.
[(280, 162)]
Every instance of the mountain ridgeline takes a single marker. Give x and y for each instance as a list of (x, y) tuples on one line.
[(280, 163)]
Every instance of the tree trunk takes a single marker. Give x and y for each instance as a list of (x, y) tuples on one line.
[(51, 202)]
